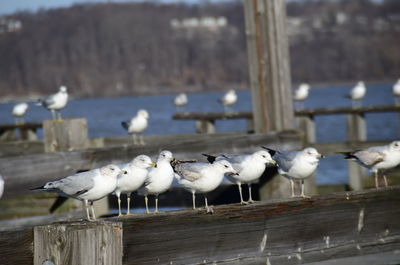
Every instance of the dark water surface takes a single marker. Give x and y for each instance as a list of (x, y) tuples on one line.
[(104, 117)]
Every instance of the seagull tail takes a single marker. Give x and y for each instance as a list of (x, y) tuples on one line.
[(125, 124), (348, 155), (57, 203), (210, 158), (272, 152), (38, 188)]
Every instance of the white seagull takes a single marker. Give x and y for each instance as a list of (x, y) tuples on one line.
[(357, 93), (250, 167), (159, 179), (180, 101), (19, 111), (56, 102), (132, 179), (296, 165), (86, 186), (137, 125), (228, 99), (202, 177), (396, 92), (301, 93), (377, 158)]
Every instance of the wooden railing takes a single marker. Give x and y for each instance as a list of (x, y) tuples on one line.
[(27, 131), (286, 231)]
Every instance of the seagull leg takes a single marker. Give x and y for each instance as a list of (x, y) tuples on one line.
[(87, 210), (376, 179), (194, 200), (302, 190), (119, 202), (240, 193), (385, 179), (209, 209), (128, 200), (292, 186), (142, 139), (156, 211), (250, 198), (59, 115), (92, 210), (53, 116), (146, 201)]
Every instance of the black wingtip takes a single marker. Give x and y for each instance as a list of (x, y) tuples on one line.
[(125, 125), (211, 159), (57, 203), (347, 155), (272, 152), (38, 188)]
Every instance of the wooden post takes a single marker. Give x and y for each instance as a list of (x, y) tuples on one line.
[(268, 55), (205, 126), (306, 124), (356, 132), (65, 135), (88, 243)]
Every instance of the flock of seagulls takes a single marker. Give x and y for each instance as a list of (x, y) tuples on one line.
[(146, 178)]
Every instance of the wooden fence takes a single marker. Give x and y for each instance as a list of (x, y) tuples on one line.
[(285, 231)]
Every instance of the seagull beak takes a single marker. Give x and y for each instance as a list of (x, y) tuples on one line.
[(234, 173), (123, 172), (273, 162), (153, 164), (321, 156)]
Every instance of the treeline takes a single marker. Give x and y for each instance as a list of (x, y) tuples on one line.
[(132, 48)]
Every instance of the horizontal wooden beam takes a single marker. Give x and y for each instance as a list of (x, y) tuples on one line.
[(27, 125), (212, 115), (282, 231)]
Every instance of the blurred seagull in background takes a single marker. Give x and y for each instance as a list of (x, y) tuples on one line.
[(296, 165), (137, 125), (55, 102), (357, 93), (377, 158), (1, 186), (301, 93), (132, 179), (86, 186), (249, 167), (202, 178), (159, 179), (396, 92), (180, 101), (228, 99), (19, 111)]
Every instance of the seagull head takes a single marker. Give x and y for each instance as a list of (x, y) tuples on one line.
[(312, 152), (395, 145), (225, 167), (165, 156), (304, 86), (63, 89), (263, 156), (143, 161), (112, 170), (143, 113)]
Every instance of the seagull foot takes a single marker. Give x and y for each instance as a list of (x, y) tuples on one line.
[(128, 214), (210, 209), (244, 203), (305, 196), (251, 201)]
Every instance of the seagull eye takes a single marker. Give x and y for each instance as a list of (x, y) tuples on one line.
[(225, 166), (263, 156)]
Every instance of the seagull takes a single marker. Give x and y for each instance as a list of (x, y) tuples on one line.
[(301, 93), (55, 102), (201, 177), (357, 93), (180, 101), (159, 178), (249, 166), (137, 125), (135, 174), (86, 186), (377, 158), (1, 186), (296, 165), (19, 111), (228, 99), (396, 92)]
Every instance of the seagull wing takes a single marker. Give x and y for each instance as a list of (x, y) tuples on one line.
[(75, 185), (285, 160), (190, 171), (369, 157)]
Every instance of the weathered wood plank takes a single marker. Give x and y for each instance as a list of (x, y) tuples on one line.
[(282, 231), (88, 243), (347, 110), (286, 231), (65, 135)]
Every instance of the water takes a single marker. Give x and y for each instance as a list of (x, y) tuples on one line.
[(104, 117)]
